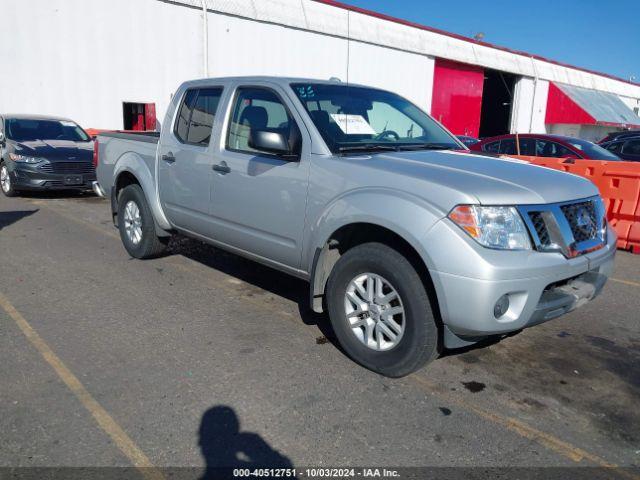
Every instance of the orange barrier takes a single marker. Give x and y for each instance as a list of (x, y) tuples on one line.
[(94, 132), (619, 185)]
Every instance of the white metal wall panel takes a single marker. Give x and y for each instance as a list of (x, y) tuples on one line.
[(241, 47), (408, 74), (83, 61), (530, 106)]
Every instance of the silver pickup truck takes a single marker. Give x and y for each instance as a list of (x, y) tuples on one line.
[(409, 241)]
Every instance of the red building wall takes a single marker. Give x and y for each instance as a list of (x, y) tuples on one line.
[(457, 96)]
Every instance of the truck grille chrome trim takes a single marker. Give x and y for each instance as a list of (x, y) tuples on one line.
[(572, 228)]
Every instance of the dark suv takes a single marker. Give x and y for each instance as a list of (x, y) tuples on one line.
[(627, 148), (619, 136), (43, 153)]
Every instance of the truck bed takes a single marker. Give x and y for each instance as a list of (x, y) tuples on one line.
[(136, 150), (149, 137)]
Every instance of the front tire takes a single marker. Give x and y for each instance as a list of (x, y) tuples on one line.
[(6, 185), (136, 225), (380, 311)]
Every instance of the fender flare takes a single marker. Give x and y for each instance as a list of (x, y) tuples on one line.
[(408, 216), (135, 165)]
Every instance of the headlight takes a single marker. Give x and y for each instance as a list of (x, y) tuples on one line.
[(493, 227), (16, 157)]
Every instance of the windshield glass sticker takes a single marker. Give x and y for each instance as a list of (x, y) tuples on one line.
[(306, 92), (352, 124)]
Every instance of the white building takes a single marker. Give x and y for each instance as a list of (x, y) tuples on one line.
[(107, 63)]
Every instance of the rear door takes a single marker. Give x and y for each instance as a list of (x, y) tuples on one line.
[(258, 200), (184, 167)]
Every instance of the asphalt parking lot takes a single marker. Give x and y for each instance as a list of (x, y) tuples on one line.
[(109, 361)]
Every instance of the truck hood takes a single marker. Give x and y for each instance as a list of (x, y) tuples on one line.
[(492, 181), (54, 150)]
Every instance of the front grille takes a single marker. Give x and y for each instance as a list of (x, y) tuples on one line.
[(582, 219), (541, 228), (68, 167)]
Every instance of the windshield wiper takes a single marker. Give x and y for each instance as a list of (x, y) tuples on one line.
[(427, 146), (368, 147)]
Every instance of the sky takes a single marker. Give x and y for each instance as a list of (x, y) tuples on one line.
[(592, 34)]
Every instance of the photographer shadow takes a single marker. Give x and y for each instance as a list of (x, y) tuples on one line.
[(226, 448)]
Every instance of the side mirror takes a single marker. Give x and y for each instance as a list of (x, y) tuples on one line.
[(2, 138), (270, 142)]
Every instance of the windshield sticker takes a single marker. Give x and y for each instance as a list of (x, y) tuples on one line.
[(67, 123), (306, 92), (352, 124)]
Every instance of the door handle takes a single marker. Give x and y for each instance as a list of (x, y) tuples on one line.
[(169, 158), (222, 167)]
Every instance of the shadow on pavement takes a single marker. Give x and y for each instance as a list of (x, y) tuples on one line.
[(8, 218), (257, 275), (57, 194), (225, 447)]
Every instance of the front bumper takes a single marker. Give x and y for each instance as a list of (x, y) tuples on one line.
[(470, 279), (29, 177)]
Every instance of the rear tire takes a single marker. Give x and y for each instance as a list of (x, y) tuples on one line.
[(367, 281), (136, 225), (6, 185)]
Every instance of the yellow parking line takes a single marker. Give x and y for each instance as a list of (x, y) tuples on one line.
[(626, 282), (101, 416), (547, 440)]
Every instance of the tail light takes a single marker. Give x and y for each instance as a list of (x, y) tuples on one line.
[(95, 153)]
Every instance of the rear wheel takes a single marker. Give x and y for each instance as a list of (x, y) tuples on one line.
[(380, 310), (136, 225), (6, 185)]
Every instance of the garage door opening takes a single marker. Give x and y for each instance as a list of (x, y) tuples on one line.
[(139, 116), (497, 101)]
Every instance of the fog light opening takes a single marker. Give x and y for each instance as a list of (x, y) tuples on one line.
[(501, 307)]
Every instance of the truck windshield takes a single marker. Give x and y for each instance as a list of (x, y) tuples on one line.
[(351, 118), (25, 130)]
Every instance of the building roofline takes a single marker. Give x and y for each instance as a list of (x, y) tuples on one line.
[(389, 18)]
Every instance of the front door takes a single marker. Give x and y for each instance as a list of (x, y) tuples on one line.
[(258, 200), (184, 167)]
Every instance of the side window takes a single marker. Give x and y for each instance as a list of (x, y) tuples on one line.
[(632, 147), (614, 147), (492, 147), (184, 115), (204, 111), (260, 109), (545, 148), (196, 115), (527, 146), (564, 152), (508, 146)]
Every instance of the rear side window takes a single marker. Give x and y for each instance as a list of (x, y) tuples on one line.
[(493, 147), (527, 146), (508, 146), (196, 116), (204, 111), (184, 115)]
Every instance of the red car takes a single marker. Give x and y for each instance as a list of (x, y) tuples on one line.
[(541, 145)]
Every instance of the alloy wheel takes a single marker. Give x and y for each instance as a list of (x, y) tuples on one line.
[(374, 311)]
